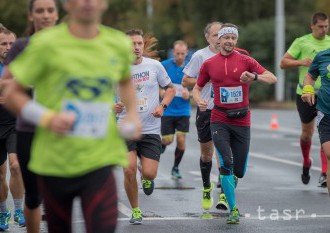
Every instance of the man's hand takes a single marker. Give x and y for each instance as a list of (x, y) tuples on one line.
[(247, 77), (119, 107), (158, 111), (202, 104), (62, 122), (130, 127), (308, 98), (306, 62), (185, 94)]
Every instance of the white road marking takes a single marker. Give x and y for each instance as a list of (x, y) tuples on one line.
[(285, 161), (124, 209), (247, 216), (280, 130)]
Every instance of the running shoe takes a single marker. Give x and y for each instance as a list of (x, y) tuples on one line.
[(323, 180), (4, 220), (234, 216), (136, 218), (207, 201), (19, 217), (148, 186), (305, 176), (222, 203), (176, 173)]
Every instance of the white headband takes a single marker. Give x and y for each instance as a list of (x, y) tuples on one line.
[(228, 30)]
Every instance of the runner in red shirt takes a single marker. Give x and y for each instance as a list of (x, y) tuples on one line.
[(230, 74)]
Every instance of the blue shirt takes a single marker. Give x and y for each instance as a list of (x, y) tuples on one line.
[(321, 67), (179, 106), (1, 68)]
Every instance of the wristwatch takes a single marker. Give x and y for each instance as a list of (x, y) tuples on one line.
[(163, 105), (255, 76)]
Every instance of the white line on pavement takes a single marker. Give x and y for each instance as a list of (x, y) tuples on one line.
[(285, 161), (124, 209), (280, 130)]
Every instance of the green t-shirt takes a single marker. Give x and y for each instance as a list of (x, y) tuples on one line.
[(72, 74), (307, 47)]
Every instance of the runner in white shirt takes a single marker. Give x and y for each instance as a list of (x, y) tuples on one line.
[(147, 75), (191, 72)]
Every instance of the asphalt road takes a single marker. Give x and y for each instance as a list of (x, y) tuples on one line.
[(271, 197)]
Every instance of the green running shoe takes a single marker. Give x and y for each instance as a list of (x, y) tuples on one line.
[(207, 201), (4, 220), (234, 216), (136, 218), (19, 218), (148, 186), (222, 203)]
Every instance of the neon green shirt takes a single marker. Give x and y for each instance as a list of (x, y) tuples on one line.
[(72, 74), (307, 47)]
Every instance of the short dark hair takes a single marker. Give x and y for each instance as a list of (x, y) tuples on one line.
[(318, 16), (135, 32), (227, 25), (208, 26)]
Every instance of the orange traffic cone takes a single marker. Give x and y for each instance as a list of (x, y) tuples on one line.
[(274, 122)]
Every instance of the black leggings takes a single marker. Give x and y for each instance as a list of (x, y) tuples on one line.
[(98, 194), (32, 195), (232, 144)]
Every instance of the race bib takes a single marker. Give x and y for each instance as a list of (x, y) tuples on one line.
[(319, 117), (231, 95), (92, 119), (178, 90), (142, 104)]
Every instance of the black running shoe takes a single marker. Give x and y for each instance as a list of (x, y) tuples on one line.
[(305, 176)]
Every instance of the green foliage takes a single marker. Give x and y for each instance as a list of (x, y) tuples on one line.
[(186, 19)]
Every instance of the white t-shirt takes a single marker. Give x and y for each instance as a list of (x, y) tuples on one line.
[(192, 69), (147, 77)]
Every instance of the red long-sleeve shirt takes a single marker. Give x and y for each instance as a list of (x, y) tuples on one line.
[(229, 93)]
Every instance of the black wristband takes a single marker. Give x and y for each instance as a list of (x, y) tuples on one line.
[(163, 105), (255, 76)]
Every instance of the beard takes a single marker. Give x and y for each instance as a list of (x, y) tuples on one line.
[(228, 49)]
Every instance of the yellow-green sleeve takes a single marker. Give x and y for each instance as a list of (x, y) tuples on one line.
[(29, 66), (295, 49)]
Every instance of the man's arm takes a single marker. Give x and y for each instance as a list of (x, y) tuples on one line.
[(131, 126), (20, 103), (202, 104), (308, 93), (266, 77), (288, 62), (188, 81), (168, 97)]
